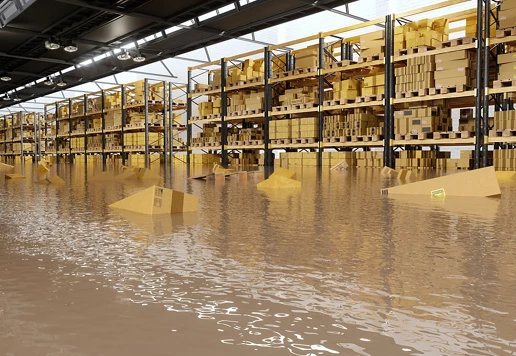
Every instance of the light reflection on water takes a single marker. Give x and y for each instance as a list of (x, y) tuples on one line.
[(331, 269)]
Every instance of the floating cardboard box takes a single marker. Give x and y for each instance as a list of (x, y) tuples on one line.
[(42, 169), (282, 172), (506, 175), (340, 166), (477, 183), (157, 200), (389, 172), (5, 167), (279, 182), (52, 180), (404, 174), (14, 176)]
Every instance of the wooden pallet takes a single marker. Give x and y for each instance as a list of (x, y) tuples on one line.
[(339, 102), (412, 136), (285, 141), (412, 50), (367, 138), (502, 133), (307, 140), (506, 32), (367, 99), (372, 58), (253, 112), (341, 64), (213, 116), (456, 42), (253, 142), (281, 108), (504, 83), (450, 89), (452, 135), (295, 72)]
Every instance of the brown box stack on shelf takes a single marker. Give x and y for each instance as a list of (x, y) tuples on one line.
[(455, 68), (113, 140), (252, 68), (424, 32), (505, 120), (78, 108), (110, 101), (369, 159), (309, 57), (247, 135), (280, 129), (356, 122), (245, 159), (205, 158), (374, 84), (504, 160), (418, 74), (419, 159), (372, 43), (156, 92), (466, 120), (346, 89), (63, 111), (507, 64), (64, 128), (306, 127), (249, 100), (77, 142), (94, 141), (507, 14), (94, 104), (471, 27), (422, 120), (304, 95)]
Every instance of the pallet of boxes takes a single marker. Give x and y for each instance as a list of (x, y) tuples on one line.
[(507, 61), (250, 71)]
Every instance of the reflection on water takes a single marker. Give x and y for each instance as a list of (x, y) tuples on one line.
[(333, 268)]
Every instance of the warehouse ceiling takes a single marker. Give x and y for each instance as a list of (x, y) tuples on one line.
[(158, 29)]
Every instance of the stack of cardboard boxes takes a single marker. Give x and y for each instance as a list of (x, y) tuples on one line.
[(247, 135), (422, 120), (309, 57), (369, 159), (505, 120), (249, 100), (466, 120), (419, 159), (211, 134), (374, 84), (455, 68), (207, 158), (307, 127), (504, 160), (245, 159), (507, 14), (372, 43), (424, 32), (137, 139), (304, 95), (346, 89), (356, 122), (418, 74), (77, 142), (507, 64)]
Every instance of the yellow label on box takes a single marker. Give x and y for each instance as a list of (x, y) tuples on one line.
[(439, 193)]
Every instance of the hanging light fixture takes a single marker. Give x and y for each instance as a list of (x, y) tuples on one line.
[(16, 97), (61, 83), (139, 57), (52, 44), (4, 77), (6, 97), (48, 81), (70, 46), (124, 55)]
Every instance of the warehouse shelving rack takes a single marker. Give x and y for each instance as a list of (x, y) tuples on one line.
[(480, 97), (17, 130), (85, 117)]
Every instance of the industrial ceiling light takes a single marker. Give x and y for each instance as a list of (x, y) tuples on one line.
[(4, 77), (139, 57), (52, 44), (124, 55), (61, 83), (16, 97), (70, 46), (48, 81), (6, 97)]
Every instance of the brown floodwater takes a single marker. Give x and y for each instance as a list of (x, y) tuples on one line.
[(334, 268)]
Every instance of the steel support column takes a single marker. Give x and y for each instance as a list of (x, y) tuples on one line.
[(124, 122), (224, 127), (268, 160), (188, 117), (479, 104), (165, 125), (146, 101), (388, 157), (487, 52), (320, 77)]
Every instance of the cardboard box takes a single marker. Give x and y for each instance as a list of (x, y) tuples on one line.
[(507, 18), (508, 4), (461, 63), (450, 82), (451, 73), (377, 35), (453, 56)]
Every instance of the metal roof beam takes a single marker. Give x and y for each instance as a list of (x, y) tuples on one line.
[(40, 59)]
